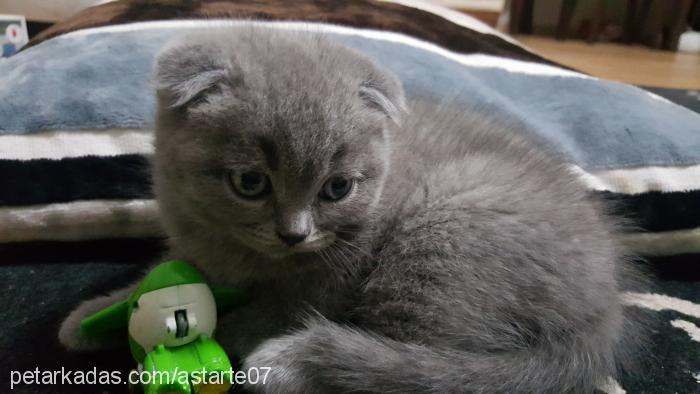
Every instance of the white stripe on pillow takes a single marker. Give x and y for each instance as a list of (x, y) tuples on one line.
[(61, 144), (80, 220), (611, 386), (475, 60), (456, 17), (659, 302), (642, 179), (664, 243), (100, 219), (690, 328)]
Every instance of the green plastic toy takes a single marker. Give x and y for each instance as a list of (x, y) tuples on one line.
[(170, 318)]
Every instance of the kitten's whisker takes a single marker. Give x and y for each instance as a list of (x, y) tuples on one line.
[(355, 248), (350, 265), (326, 258)]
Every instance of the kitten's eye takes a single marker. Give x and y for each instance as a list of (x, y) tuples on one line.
[(336, 188), (250, 184)]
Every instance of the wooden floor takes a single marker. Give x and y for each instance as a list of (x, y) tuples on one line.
[(631, 64)]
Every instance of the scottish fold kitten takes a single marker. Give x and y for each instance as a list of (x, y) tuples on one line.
[(386, 246)]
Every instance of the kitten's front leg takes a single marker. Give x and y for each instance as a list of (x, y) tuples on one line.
[(275, 360), (327, 357), (280, 364), (70, 334)]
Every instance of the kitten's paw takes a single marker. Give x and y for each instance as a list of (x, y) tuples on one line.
[(284, 374), (70, 335)]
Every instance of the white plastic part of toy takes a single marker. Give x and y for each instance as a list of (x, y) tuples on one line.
[(173, 316)]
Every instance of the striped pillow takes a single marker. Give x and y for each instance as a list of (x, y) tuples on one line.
[(76, 120)]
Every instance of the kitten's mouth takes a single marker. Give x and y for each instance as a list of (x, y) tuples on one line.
[(314, 243)]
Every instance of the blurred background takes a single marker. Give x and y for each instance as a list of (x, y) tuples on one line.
[(644, 42), (652, 43)]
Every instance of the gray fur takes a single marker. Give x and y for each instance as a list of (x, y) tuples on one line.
[(467, 258)]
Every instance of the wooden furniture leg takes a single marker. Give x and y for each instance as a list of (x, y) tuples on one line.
[(565, 14)]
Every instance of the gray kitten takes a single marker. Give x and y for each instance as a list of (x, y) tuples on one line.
[(384, 249)]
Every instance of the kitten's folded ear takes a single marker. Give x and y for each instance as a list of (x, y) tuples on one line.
[(185, 70), (383, 91)]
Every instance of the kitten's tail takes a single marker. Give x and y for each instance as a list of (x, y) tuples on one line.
[(349, 360)]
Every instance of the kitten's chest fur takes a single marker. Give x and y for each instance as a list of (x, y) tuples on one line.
[(279, 304)]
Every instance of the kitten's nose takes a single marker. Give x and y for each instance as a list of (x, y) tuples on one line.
[(294, 225), (291, 239)]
